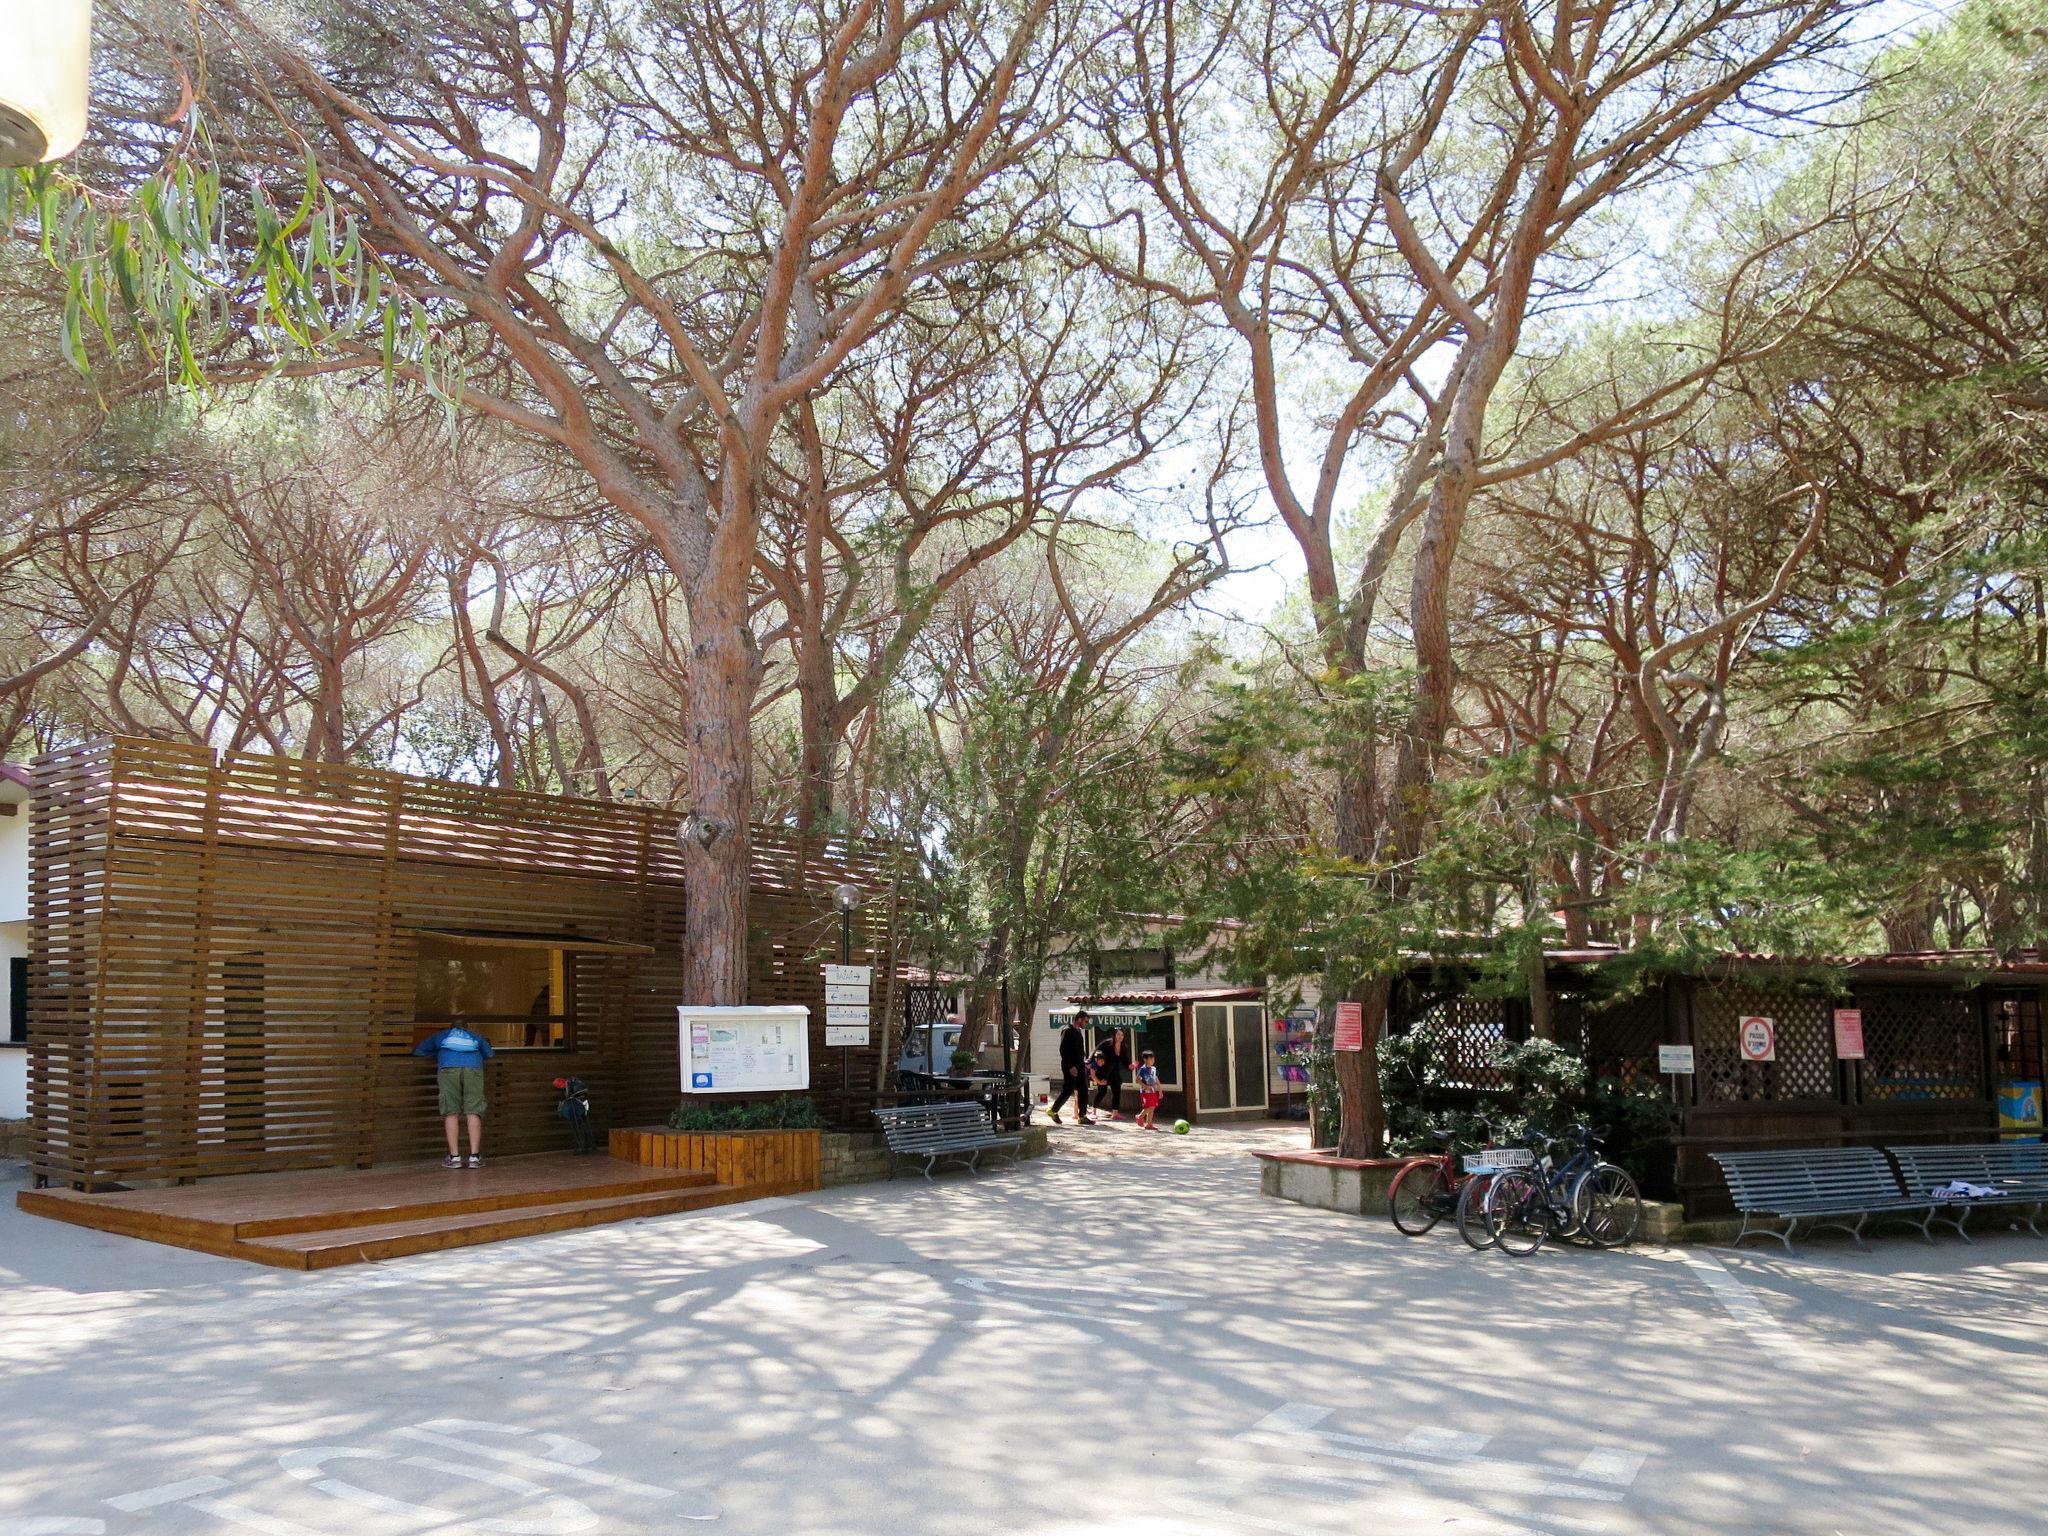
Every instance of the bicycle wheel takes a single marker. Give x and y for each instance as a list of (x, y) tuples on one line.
[(1608, 1208), (1472, 1211), (1418, 1199), (1518, 1212)]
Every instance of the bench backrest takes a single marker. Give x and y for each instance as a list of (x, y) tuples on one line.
[(910, 1127), (1926, 1167), (1809, 1176)]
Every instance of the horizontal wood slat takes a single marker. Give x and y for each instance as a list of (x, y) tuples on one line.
[(759, 1162)]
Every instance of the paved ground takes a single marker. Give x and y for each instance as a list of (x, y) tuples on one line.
[(1128, 1342)]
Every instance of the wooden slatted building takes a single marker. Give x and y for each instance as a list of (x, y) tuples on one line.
[(233, 957)]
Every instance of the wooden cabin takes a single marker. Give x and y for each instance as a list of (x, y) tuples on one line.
[(1951, 1047), (232, 958)]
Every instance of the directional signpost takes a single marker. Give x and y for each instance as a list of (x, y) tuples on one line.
[(846, 1014), (847, 989)]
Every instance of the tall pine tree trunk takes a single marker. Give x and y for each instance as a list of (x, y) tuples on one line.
[(716, 835)]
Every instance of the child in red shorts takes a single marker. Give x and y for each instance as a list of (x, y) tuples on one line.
[(1148, 1091)]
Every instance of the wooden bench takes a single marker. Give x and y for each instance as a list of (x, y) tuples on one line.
[(1814, 1182), (2018, 1170), (958, 1130)]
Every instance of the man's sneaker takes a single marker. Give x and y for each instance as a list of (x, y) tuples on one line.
[(475, 1161), (1055, 1119), (451, 1161)]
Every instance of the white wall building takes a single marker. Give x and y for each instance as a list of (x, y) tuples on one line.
[(13, 942)]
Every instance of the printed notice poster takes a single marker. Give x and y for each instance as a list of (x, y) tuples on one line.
[(1674, 1060), (1350, 1027), (1759, 1038), (1848, 1034), (745, 1050)]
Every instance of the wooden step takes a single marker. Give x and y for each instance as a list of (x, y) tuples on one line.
[(397, 1207), (327, 1247)]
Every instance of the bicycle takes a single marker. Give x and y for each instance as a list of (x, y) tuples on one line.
[(1433, 1187), (1580, 1197)]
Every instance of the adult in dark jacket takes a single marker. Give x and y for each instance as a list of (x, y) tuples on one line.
[(1073, 1071), (1115, 1059)]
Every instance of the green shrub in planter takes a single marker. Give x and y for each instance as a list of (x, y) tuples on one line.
[(963, 1061), (792, 1112)]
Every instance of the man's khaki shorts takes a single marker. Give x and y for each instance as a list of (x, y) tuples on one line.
[(462, 1090)]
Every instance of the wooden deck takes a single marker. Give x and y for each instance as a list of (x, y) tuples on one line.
[(342, 1216)]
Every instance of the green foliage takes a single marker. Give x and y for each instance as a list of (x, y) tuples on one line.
[(792, 1112), (962, 1060), (1545, 1083), (1544, 1090), (186, 266), (1641, 1119), (1325, 1103)]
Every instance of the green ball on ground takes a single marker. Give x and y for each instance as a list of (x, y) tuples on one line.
[(1181, 1127)]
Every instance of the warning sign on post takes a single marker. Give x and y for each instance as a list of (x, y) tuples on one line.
[(1848, 1034), (1759, 1037), (1350, 1027)]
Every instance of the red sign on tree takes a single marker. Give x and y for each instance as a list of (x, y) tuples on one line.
[(1350, 1026)]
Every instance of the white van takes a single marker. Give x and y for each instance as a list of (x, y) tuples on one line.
[(929, 1047)]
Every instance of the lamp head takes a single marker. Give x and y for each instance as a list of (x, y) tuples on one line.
[(42, 78), (847, 897)]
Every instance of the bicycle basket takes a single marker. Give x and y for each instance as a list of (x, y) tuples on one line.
[(1493, 1159)]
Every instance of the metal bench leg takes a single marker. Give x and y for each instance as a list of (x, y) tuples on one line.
[(929, 1163), (1784, 1236), (2031, 1218)]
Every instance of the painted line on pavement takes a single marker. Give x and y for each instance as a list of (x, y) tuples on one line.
[(167, 1493), (1746, 1311)]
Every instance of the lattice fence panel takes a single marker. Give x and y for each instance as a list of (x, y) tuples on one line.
[(1622, 1037), (1920, 1046), (1465, 1035), (1805, 1065)]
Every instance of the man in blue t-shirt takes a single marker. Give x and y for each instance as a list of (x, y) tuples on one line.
[(460, 1054)]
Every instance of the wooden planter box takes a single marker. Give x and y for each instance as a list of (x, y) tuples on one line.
[(760, 1162)]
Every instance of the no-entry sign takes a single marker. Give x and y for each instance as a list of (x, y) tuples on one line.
[(1759, 1037), (1350, 1027)]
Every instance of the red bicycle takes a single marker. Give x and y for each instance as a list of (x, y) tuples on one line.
[(1434, 1187)]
